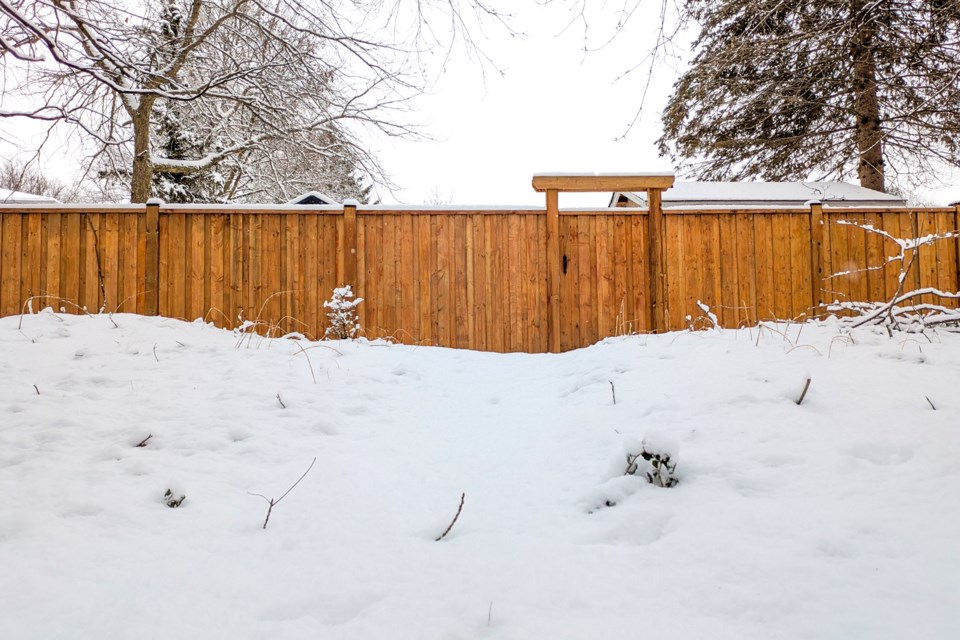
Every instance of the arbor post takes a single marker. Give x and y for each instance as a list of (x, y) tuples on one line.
[(151, 267), (552, 185), (553, 271), (658, 319)]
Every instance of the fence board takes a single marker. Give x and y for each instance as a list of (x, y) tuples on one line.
[(800, 273), (675, 293), (30, 260), (746, 269), (10, 256)]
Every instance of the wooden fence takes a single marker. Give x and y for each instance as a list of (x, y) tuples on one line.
[(471, 278)]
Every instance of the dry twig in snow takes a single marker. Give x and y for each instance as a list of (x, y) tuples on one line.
[(454, 521), (274, 502)]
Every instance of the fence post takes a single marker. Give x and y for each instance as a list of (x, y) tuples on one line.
[(350, 244), (658, 320), (151, 268), (553, 271), (816, 242)]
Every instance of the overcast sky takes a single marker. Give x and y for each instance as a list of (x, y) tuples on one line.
[(554, 109)]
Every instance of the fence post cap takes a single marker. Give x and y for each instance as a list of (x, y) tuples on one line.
[(351, 202), (810, 203), (156, 202)]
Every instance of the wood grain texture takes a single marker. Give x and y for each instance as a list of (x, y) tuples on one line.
[(498, 280)]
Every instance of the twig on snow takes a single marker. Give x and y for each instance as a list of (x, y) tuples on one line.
[(143, 442), (274, 502), (280, 400), (37, 389), (930, 402), (613, 390), (454, 521), (803, 394)]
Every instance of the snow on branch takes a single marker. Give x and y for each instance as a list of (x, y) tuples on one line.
[(900, 312)]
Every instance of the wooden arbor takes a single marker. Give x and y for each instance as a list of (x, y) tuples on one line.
[(653, 183)]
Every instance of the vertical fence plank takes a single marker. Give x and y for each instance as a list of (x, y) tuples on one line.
[(350, 244), (604, 274), (387, 292), (553, 271), (816, 257), (674, 288), (710, 239), (514, 283), (800, 271), (308, 269), (151, 266), (405, 297), (110, 260), (890, 223), (956, 248), (52, 260), (424, 279), (128, 285), (214, 258), (781, 294), (728, 313), (90, 265), (10, 257), (946, 257), (30, 261), (873, 259), (763, 248), (479, 288), (196, 268), (857, 252), (927, 259), (692, 265)]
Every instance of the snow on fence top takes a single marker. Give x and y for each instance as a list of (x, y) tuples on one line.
[(770, 194)]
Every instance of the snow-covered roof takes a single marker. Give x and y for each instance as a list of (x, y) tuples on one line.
[(313, 197), (19, 197), (771, 194)]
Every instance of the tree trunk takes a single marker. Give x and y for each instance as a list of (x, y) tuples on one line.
[(141, 182), (870, 167)]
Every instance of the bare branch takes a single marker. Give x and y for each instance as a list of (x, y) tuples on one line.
[(454, 521)]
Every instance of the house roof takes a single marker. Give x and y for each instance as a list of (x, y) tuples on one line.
[(769, 194), (19, 197), (313, 197)]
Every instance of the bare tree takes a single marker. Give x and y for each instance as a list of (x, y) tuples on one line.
[(248, 76), (26, 177)]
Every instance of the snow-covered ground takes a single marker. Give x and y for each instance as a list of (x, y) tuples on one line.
[(838, 518)]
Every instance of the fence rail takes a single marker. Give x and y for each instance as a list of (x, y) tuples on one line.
[(469, 278)]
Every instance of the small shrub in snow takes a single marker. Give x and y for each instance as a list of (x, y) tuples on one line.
[(343, 314), (657, 460), (172, 500)]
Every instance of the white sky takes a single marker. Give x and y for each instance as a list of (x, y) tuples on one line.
[(554, 109)]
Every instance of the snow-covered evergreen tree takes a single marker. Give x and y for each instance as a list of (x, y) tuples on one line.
[(834, 88), (343, 314)]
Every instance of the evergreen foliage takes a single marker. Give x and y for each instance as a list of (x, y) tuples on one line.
[(782, 90)]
